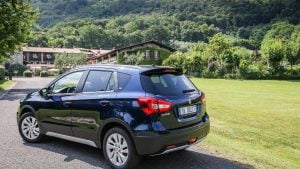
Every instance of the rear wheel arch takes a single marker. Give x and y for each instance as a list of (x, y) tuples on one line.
[(111, 124)]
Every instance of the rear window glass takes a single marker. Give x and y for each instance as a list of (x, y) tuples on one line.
[(167, 84), (123, 79)]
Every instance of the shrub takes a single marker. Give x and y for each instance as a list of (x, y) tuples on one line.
[(37, 72), (221, 71), (293, 74), (208, 74), (53, 72), (17, 67), (253, 70), (44, 73), (27, 73), (231, 76), (2, 73)]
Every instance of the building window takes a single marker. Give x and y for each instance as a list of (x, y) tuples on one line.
[(156, 55), (147, 54), (35, 56), (113, 58), (49, 56)]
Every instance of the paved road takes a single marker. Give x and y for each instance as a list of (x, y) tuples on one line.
[(56, 153)]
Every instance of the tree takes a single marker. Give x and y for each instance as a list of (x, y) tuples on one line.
[(16, 20), (82, 2), (91, 36), (293, 48), (64, 61), (220, 52), (273, 51), (194, 62), (175, 60), (134, 59), (280, 30), (156, 32), (292, 53)]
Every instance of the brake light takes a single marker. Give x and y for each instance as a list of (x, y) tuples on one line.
[(203, 100), (151, 105)]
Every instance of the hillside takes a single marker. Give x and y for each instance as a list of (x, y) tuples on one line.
[(226, 14), (179, 23)]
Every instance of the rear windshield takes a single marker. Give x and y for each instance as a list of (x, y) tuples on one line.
[(167, 84)]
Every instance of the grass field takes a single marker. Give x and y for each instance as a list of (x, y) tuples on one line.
[(254, 122), (4, 84)]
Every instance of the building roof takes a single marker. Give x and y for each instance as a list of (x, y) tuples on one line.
[(149, 42), (99, 52), (139, 44), (52, 50)]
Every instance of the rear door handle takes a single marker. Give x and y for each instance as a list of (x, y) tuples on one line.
[(104, 103), (67, 104)]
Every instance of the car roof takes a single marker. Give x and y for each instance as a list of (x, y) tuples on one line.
[(122, 68)]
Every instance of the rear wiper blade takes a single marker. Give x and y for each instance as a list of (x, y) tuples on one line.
[(188, 90)]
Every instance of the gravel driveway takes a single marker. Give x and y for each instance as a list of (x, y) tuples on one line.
[(56, 153)]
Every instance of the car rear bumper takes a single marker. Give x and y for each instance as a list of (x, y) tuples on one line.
[(151, 143)]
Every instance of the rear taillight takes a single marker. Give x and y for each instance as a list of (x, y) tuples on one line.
[(152, 105), (203, 100)]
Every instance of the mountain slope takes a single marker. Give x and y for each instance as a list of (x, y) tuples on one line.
[(226, 14)]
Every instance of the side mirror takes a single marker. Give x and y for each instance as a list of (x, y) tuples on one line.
[(44, 92)]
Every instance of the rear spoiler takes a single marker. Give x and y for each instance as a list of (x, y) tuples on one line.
[(163, 70)]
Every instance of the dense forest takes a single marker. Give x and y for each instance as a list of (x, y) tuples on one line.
[(218, 38), (114, 23), (226, 14)]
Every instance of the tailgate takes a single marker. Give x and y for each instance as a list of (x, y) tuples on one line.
[(186, 111), (173, 86)]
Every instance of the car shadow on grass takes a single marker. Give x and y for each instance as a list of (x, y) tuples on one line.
[(192, 159)]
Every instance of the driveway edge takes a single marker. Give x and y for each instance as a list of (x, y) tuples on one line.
[(3, 93)]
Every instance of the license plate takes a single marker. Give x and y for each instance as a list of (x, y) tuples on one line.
[(188, 110)]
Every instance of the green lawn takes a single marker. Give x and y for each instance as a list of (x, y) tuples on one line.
[(4, 84), (254, 122)]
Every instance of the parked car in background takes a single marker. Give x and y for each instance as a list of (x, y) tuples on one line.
[(127, 111)]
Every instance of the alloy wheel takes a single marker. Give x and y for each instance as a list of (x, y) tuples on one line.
[(30, 128), (117, 149)]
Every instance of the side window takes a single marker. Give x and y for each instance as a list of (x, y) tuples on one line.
[(99, 81), (67, 84), (123, 79)]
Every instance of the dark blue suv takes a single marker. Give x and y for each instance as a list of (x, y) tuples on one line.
[(128, 111)]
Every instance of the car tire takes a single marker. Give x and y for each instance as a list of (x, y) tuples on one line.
[(118, 149), (29, 128)]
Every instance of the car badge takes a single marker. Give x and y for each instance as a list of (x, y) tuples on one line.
[(190, 101)]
